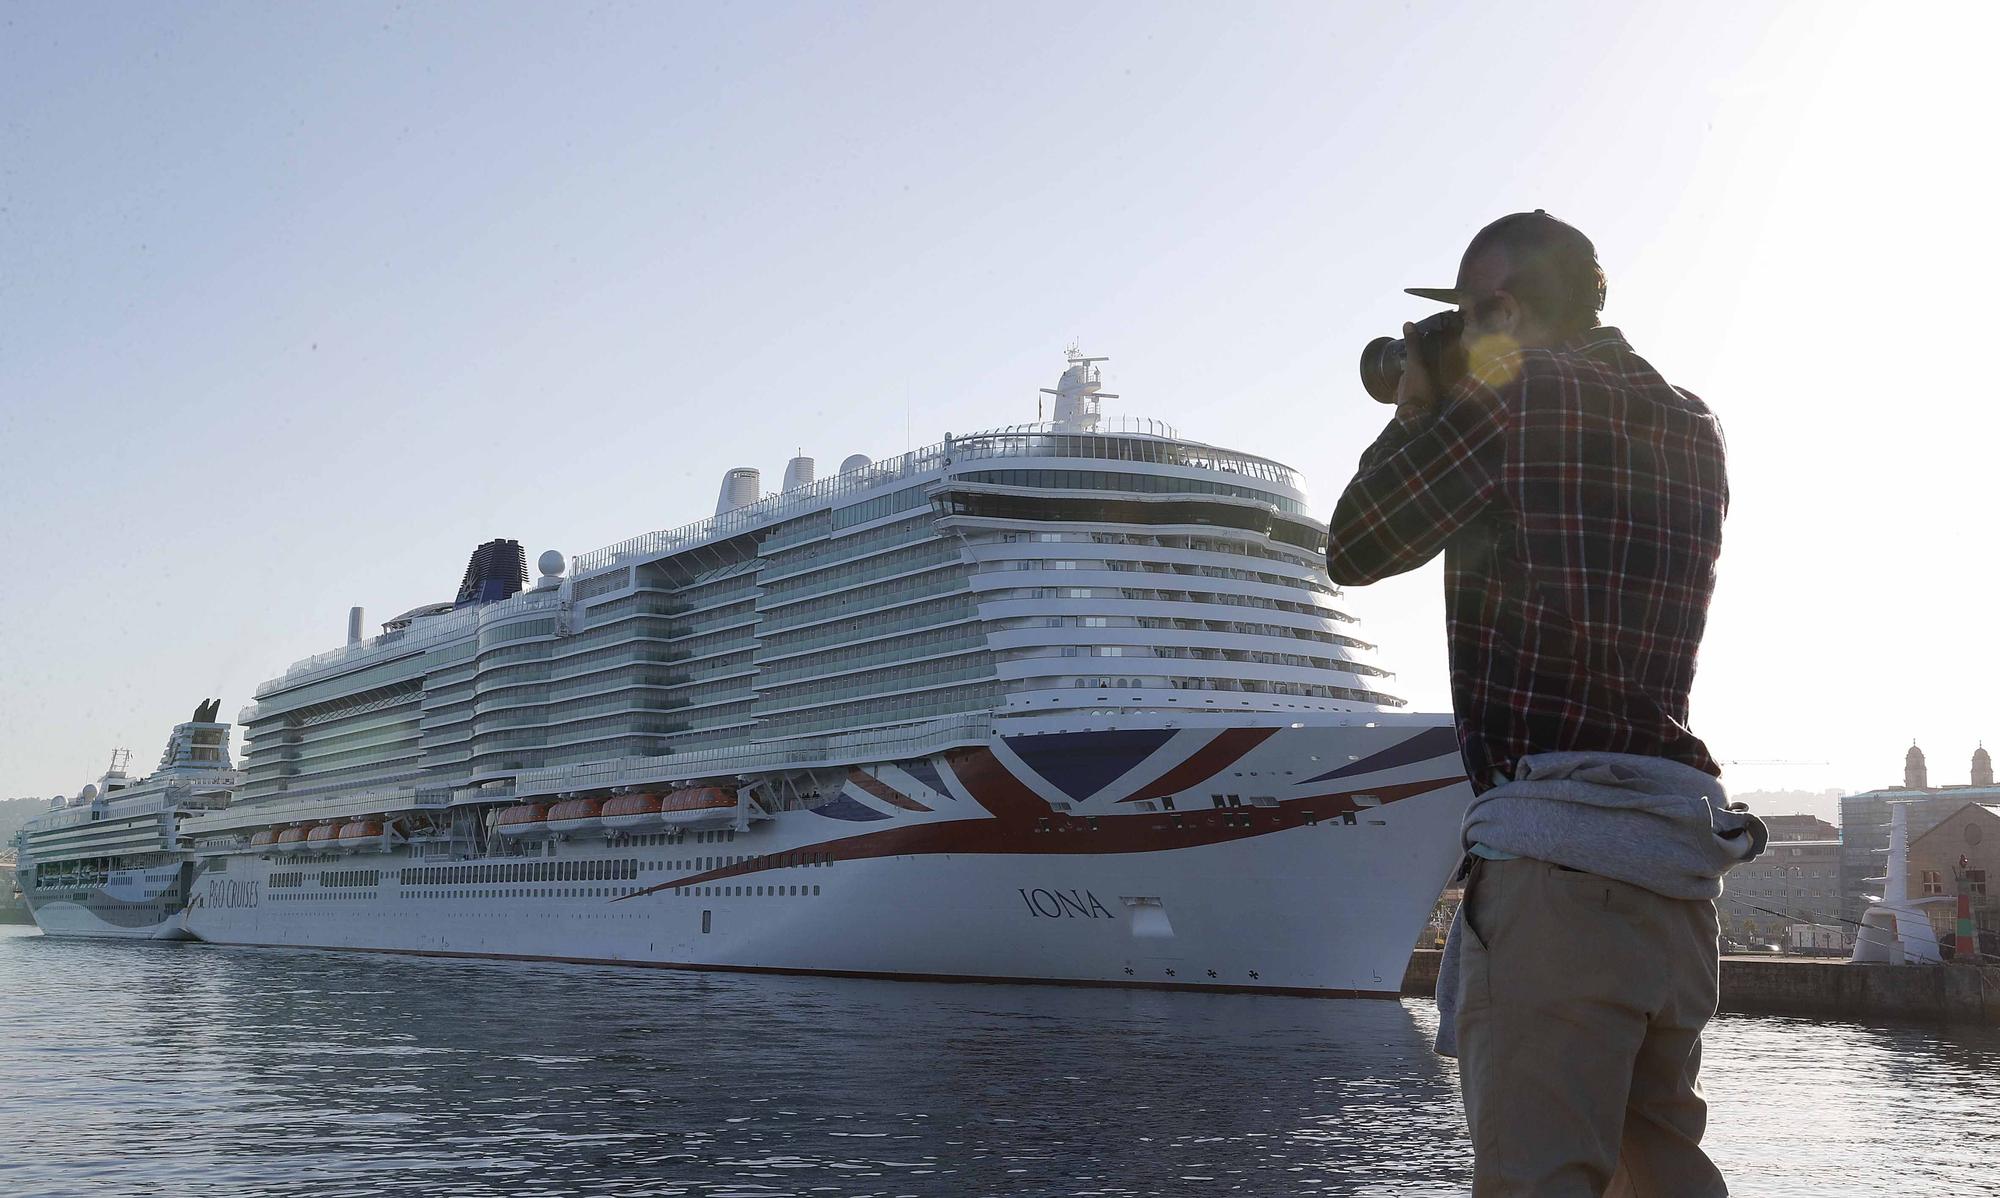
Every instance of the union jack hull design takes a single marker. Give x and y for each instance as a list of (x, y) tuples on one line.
[(1299, 858)]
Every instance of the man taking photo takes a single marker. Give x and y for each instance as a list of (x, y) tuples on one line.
[(1578, 500)]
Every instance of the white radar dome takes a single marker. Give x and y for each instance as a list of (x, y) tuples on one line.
[(89, 792), (551, 562)]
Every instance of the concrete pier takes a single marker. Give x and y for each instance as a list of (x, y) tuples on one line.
[(1827, 989)]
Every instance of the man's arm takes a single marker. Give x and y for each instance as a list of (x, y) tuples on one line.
[(1421, 481)]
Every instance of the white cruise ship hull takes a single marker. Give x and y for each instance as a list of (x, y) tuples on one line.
[(132, 904), (1290, 858)]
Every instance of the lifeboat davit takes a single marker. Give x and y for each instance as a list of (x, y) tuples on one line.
[(527, 819), (627, 812), (292, 835), (361, 829), (323, 833), (264, 839), (572, 816), (699, 806)]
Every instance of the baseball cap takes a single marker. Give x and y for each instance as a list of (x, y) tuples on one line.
[(1547, 257)]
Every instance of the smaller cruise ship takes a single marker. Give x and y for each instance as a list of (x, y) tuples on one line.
[(108, 862)]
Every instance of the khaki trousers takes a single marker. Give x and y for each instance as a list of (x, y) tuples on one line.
[(1580, 1008)]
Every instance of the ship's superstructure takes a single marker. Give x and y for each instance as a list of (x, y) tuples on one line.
[(108, 861), (1064, 672)]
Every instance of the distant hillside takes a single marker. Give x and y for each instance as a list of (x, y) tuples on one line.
[(15, 812)]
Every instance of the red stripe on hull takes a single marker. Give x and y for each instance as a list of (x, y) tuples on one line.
[(883, 791), (1228, 748)]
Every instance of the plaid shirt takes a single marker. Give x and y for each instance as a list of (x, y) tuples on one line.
[(1578, 499)]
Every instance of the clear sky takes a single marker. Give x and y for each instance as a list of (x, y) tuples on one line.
[(300, 303)]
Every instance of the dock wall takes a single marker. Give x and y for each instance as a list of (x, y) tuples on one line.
[(1829, 989)]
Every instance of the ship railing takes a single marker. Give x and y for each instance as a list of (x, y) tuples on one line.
[(326, 806), (881, 744), (1022, 440), (1138, 426), (772, 506), (488, 792), (435, 630)]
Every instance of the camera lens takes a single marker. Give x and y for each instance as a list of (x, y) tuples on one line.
[(1382, 368)]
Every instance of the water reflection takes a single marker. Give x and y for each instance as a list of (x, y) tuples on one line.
[(159, 1066)]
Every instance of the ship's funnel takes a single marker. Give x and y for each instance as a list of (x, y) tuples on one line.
[(798, 473), (354, 621), (740, 488), (498, 570)]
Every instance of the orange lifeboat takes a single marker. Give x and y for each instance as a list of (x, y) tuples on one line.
[(699, 806), (267, 837), (576, 815), (360, 829), (292, 835), (527, 819), (323, 833), (632, 812)]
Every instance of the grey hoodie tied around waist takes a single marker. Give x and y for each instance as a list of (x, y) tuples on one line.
[(1658, 824)]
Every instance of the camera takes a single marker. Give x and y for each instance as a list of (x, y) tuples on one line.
[(1439, 346)]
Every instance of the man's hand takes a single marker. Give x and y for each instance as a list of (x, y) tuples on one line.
[(1416, 393)]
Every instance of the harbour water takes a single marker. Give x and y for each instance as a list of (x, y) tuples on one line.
[(141, 1068)]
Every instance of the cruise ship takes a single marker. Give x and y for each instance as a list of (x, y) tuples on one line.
[(1071, 701), (109, 861)]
